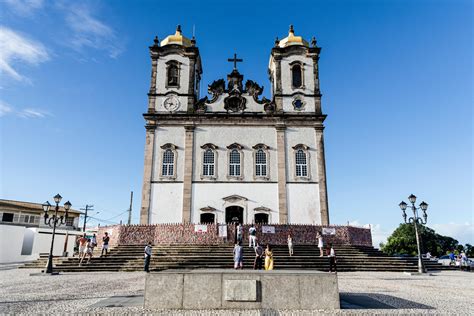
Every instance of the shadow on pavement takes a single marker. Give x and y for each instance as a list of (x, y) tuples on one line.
[(376, 301)]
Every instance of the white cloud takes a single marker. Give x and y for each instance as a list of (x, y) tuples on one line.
[(26, 113), (17, 49), (32, 113), (24, 7), (464, 233), (4, 108), (88, 31)]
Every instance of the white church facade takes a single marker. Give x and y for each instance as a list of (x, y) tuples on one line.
[(234, 155)]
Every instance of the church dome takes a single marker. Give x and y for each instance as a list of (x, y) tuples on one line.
[(177, 39), (291, 40)]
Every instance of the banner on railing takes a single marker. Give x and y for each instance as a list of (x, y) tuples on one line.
[(268, 229), (200, 228), (329, 231), (223, 231)]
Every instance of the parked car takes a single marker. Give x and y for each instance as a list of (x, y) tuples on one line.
[(444, 260)]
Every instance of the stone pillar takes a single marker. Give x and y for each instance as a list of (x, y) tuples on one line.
[(147, 175), (281, 154), (317, 92), (192, 74), (321, 161), (278, 88), (188, 172), (152, 92)]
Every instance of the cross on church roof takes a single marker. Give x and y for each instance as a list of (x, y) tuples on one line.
[(235, 60)]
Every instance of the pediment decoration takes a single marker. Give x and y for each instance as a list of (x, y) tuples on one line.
[(207, 209), (169, 146), (269, 106), (260, 145), (209, 145), (262, 209), (300, 146), (235, 145), (234, 198)]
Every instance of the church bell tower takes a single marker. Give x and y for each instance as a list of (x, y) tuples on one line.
[(176, 73), (294, 74)]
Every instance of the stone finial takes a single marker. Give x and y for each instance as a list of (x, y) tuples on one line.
[(277, 41), (292, 30), (313, 41), (178, 28), (156, 41)]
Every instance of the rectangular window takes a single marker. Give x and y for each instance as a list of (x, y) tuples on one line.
[(70, 221), (7, 217)]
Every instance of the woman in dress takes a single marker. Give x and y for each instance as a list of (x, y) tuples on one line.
[(268, 258), (320, 243), (290, 245)]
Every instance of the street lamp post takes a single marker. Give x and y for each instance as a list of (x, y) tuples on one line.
[(53, 221), (416, 219)]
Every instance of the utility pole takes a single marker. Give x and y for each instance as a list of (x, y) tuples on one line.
[(130, 209), (88, 208)]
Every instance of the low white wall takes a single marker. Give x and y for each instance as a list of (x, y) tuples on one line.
[(14, 239)]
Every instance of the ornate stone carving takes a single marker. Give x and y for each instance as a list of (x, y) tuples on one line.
[(253, 89), (269, 106), (216, 89), (235, 102), (200, 106)]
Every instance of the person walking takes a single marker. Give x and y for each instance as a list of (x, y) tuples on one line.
[(82, 245), (147, 257), (290, 245), (332, 259), (252, 236), (105, 244), (238, 256), (88, 252), (258, 263), (268, 258), (320, 243), (240, 233)]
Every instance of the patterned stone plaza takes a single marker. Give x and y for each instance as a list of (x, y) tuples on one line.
[(384, 293)]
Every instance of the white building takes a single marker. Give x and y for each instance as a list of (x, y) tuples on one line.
[(234, 154)]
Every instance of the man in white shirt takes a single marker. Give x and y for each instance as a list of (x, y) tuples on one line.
[(252, 236)]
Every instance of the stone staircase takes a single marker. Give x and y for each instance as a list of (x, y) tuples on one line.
[(130, 258)]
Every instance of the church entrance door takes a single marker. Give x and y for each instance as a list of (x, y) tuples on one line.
[(233, 214)]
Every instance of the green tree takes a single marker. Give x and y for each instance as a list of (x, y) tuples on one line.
[(469, 250), (403, 241)]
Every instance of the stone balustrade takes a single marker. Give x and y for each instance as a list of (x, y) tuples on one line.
[(185, 234)]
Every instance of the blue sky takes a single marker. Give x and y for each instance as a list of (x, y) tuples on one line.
[(396, 78)]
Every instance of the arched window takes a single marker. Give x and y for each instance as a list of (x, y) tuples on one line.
[(207, 218), (173, 75), (297, 76), (260, 163), (235, 156), (261, 218), (168, 163), (301, 161), (208, 166), (261, 156), (234, 163)]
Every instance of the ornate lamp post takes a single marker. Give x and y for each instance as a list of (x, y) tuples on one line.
[(416, 219), (53, 221)]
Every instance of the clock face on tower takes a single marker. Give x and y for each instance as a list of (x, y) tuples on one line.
[(171, 103)]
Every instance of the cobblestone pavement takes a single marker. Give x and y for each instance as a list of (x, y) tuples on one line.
[(362, 293)]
